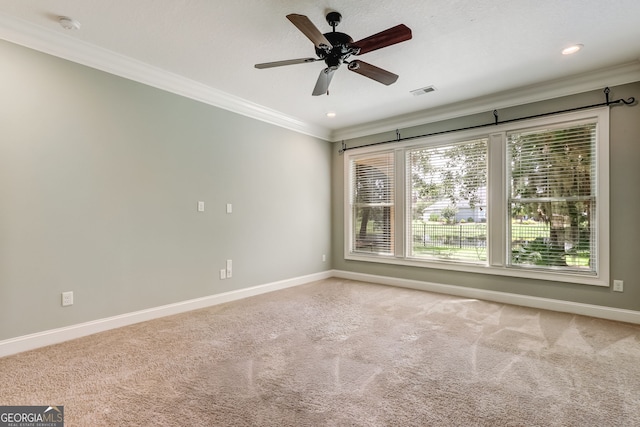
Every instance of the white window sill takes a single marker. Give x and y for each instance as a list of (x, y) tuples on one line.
[(515, 272)]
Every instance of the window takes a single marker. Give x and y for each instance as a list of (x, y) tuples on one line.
[(448, 202), (527, 199), (552, 198), (372, 204)]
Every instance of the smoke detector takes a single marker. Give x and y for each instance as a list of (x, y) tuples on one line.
[(68, 23)]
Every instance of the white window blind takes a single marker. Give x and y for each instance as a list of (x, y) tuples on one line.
[(448, 201), (552, 198), (372, 203)]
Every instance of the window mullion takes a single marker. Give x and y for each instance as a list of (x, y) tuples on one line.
[(399, 219), (496, 207)]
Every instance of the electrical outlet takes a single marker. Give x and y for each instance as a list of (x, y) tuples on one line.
[(229, 269), (67, 299), (618, 286), (200, 206), (223, 274), (324, 258)]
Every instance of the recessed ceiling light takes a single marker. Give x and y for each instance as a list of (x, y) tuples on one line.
[(68, 23), (572, 49), (331, 114)]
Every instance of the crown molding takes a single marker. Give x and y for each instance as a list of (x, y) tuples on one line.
[(599, 79), (63, 46)]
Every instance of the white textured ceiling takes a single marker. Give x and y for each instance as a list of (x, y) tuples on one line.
[(467, 49)]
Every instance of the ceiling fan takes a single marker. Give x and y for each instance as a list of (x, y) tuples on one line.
[(334, 48)]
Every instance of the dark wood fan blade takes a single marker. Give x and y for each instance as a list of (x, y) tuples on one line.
[(378, 74), (322, 85), (311, 31), (287, 62), (397, 34)]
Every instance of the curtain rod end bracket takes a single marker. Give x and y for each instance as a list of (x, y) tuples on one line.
[(629, 101)]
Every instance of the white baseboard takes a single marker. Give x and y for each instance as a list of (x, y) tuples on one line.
[(55, 336), (602, 312)]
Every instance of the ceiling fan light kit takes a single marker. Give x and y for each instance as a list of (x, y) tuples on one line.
[(334, 48)]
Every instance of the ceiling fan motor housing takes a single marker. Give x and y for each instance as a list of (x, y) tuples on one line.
[(341, 49)]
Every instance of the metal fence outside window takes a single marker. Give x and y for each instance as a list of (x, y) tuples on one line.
[(454, 236), (469, 235)]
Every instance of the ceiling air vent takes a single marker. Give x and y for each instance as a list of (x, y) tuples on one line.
[(422, 90)]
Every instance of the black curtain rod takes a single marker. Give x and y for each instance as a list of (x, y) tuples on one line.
[(607, 103)]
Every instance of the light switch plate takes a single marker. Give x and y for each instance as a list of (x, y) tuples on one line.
[(67, 299), (618, 286), (229, 269)]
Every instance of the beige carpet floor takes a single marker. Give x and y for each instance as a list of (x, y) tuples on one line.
[(341, 353)]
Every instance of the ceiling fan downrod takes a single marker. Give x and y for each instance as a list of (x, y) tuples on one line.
[(334, 18)]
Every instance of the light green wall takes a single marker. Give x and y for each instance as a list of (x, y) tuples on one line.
[(99, 182), (624, 204), (99, 179)]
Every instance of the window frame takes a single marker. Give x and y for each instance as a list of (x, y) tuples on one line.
[(498, 246), (391, 203), (409, 231)]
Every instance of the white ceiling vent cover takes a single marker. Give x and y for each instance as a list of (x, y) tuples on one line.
[(422, 90)]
